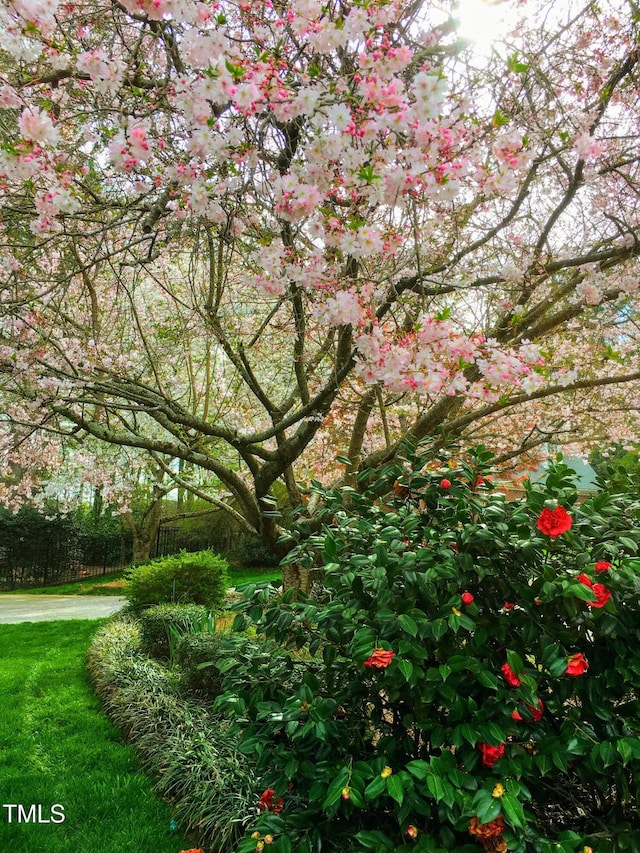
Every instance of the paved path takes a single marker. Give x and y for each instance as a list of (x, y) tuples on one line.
[(45, 608)]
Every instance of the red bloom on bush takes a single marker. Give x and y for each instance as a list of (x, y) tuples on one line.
[(445, 484), (490, 754), (509, 676), (267, 803), (554, 522), (380, 659), (577, 665), (600, 591), (536, 713), (508, 605), (492, 829), (602, 566), (602, 595), (466, 598)]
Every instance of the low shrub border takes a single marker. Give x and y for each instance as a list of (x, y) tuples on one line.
[(162, 625), (189, 753)]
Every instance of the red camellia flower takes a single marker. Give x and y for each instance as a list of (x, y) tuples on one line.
[(445, 484), (554, 522), (466, 598), (509, 676), (602, 566), (266, 803), (577, 665), (508, 605), (600, 591), (536, 713), (492, 829), (380, 659), (490, 754), (602, 595), (489, 834)]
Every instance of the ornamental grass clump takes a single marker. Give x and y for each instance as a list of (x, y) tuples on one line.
[(190, 753), (466, 688)]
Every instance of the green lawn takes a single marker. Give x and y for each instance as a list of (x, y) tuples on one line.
[(99, 585), (56, 747)]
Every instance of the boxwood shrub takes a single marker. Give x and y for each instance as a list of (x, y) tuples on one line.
[(191, 578), (196, 657), (161, 626)]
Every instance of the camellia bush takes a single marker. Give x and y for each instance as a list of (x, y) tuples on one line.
[(472, 671)]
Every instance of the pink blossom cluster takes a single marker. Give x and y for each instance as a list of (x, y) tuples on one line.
[(433, 360), (105, 72)]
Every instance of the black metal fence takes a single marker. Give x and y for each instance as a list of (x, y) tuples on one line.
[(36, 550), (40, 551), (170, 540)]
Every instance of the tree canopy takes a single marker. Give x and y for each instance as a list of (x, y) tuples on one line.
[(238, 234)]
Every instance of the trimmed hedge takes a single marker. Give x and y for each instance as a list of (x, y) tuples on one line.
[(192, 652), (159, 624), (187, 578), (188, 751)]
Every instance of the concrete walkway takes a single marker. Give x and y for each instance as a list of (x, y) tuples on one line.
[(46, 608)]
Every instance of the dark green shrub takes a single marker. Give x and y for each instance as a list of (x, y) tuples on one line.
[(252, 552), (161, 626), (190, 753), (260, 666), (474, 677), (198, 578), (196, 656)]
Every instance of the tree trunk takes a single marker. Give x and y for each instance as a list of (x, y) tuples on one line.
[(142, 544), (98, 503), (295, 576), (145, 531)]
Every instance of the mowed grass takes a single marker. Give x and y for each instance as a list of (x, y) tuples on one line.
[(112, 584), (56, 747)]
